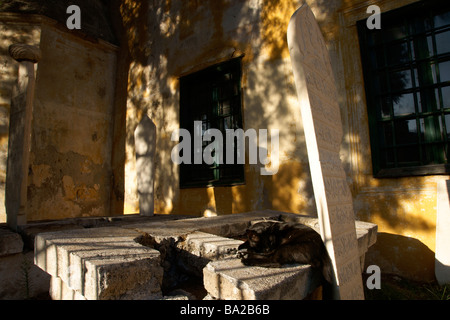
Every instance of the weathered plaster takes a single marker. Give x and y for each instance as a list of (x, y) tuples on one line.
[(187, 36), (86, 114), (70, 174), (403, 208)]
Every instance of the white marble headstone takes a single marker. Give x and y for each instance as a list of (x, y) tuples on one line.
[(317, 96), (442, 256), (145, 146)]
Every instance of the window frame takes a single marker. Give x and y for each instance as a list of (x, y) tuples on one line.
[(372, 94), (215, 115)]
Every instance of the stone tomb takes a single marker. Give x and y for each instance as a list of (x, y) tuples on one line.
[(317, 97), (134, 260)]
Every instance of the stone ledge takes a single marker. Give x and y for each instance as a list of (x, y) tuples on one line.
[(30, 230), (224, 226), (199, 248), (10, 242), (210, 246), (120, 262), (229, 279), (100, 263)]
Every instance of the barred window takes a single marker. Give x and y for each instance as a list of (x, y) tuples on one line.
[(406, 68), (212, 96)]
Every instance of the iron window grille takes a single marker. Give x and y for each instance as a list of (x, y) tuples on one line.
[(406, 67), (212, 96)]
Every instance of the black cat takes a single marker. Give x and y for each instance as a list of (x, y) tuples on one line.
[(273, 244)]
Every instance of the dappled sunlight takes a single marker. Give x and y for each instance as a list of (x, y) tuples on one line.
[(275, 19), (170, 39), (153, 89)]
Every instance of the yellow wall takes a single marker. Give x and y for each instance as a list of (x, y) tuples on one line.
[(87, 111), (186, 36), (70, 170), (189, 37), (403, 208)]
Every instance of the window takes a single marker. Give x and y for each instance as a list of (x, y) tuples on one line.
[(407, 77), (212, 96)]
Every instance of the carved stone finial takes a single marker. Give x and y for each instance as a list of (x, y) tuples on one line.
[(24, 52)]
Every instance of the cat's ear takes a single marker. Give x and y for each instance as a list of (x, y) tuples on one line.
[(282, 226), (274, 227)]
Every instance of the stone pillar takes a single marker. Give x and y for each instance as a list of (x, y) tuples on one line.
[(19, 146), (145, 146), (321, 117)]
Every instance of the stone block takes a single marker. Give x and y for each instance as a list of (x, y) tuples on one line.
[(10, 242), (29, 231), (21, 279), (100, 263), (60, 291), (199, 248), (224, 226), (229, 279), (210, 246)]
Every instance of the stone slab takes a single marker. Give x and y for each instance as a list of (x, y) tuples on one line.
[(10, 242), (60, 291), (210, 246), (229, 279), (117, 263), (320, 111), (100, 263), (224, 226), (199, 248), (31, 229)]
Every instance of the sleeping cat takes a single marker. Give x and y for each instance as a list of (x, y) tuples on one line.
[(274, 243)]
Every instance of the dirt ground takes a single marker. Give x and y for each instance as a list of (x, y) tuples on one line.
[(394, 287)]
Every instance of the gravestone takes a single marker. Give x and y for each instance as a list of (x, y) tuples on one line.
[(145, 146), (442, 256), (317, 96)]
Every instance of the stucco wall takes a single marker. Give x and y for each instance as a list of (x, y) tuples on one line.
[(403, 208), (185, 37), (76, 131), (70, 172), (70, 159)]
